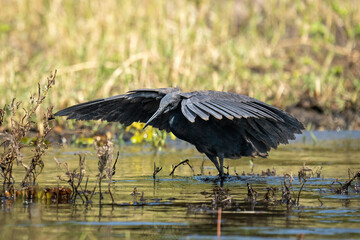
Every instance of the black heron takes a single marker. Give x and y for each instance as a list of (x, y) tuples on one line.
[(219, 124)]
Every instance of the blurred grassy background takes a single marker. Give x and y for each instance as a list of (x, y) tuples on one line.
[(272, 50)]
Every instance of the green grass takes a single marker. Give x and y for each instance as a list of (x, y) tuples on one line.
[(275, 51)]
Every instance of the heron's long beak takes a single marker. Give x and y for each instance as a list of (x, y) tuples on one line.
[(155, 115)]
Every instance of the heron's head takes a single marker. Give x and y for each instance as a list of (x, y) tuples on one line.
[(169, 102)]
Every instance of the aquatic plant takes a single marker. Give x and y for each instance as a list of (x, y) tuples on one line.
[(75, 177), (21, 123), (155, 137), (106, 163)]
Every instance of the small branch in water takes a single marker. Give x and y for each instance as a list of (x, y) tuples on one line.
[(318, 172), (302, 185), (135, 194), (252, 194), (286, 195), (113, 173), (321, 203), (186, 161), (114, 166), (93, 192), (344, 188), (270, 194), (85, 191), (156, 170)]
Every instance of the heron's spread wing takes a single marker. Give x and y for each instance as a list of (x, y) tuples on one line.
[(229, 105), (262, 125), (136, 105)]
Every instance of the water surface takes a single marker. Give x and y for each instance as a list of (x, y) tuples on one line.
[(180, 207)]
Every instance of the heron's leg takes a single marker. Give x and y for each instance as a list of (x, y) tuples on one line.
[(215, 162), (221, 161)]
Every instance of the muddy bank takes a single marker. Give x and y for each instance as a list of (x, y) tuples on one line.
[(315, 117)]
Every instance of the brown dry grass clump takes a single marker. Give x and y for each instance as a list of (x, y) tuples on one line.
[(11, 140)]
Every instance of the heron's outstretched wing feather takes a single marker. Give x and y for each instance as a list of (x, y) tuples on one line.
[(262, 125), (136, 105), (229, 105)]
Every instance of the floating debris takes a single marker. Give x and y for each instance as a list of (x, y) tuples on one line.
[(344, 188), (186, 161)]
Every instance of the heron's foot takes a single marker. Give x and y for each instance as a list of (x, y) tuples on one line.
[(223, 175), (222, 178)]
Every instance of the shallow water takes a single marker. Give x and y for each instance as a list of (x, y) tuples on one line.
[(181, 206)]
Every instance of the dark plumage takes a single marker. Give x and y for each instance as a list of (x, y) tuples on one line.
[(219, 124)]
